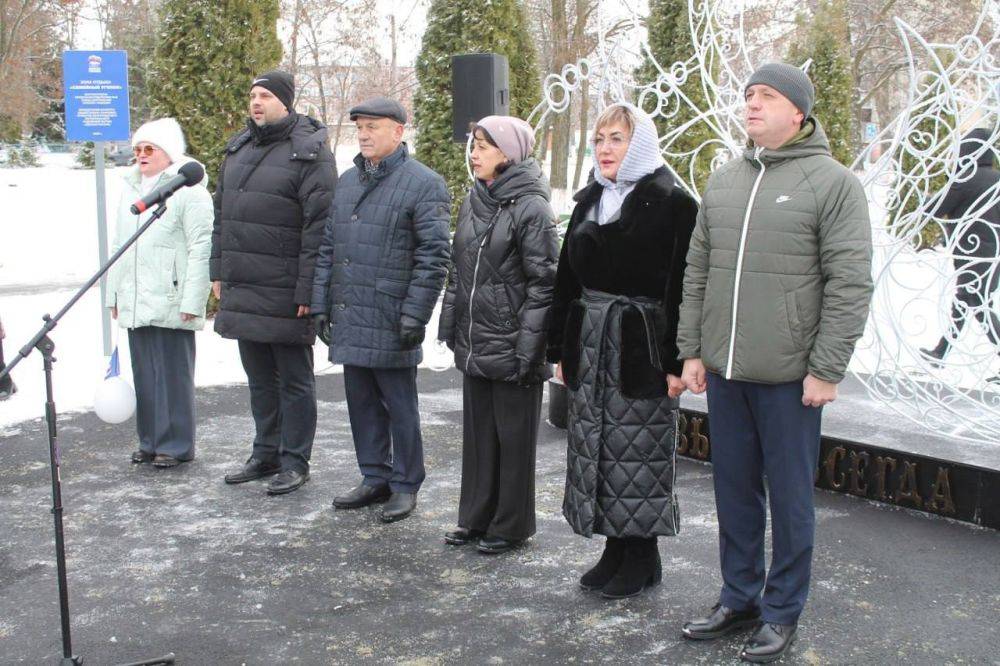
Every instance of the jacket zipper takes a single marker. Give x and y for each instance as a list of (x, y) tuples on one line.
[(135, 262), (475, 277), (135, 274), (739, 262)]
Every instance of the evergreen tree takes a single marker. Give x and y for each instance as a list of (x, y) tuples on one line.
[(456, 27), (206, 57), (670, 42), (827, 40), (86, 158)]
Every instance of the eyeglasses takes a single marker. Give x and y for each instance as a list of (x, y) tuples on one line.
[(145, 150), (615, 141)]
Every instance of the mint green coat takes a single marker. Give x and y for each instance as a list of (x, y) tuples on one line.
[(165, 272)]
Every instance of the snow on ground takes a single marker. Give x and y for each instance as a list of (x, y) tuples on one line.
[(49, 250)]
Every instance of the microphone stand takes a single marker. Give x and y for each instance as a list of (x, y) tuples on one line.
[(45, 346)]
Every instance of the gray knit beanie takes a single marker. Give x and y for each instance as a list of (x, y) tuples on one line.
[(790, 81)]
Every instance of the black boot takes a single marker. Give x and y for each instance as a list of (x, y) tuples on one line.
[(606, 567), (640, 568), (935, 355)]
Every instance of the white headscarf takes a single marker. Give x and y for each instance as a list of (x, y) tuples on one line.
[(642, 158)]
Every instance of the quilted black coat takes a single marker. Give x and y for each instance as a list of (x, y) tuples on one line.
[(642, 254), (384, 254), (274, 190), (614, 326), (503, 270)]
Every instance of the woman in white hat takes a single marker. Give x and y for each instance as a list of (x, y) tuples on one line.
[(158, 292)]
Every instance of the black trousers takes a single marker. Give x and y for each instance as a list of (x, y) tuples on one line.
[(385, 422), (499, 437), (283, 402), (975, 286), (163, 371)]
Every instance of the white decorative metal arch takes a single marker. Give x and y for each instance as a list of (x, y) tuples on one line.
[(951, 88)]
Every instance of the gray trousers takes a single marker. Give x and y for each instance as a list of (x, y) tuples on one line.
[(163, 372)]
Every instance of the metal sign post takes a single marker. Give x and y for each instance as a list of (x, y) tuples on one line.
[(96, 88)]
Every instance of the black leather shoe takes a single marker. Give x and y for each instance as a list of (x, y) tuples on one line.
[(640, 568), (462, 536), (720, 622), (360, 496), (492, 545), (140, 456), (287, 481), (163, 461), (399, 506), (768, 643), (253, 469), (606, 567)]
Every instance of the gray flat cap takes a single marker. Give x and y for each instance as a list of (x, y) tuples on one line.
[(380, 107), (788, 80)]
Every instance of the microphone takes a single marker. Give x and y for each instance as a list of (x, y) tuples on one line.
[(189, 174)]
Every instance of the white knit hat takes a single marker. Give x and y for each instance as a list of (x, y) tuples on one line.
[(165, 134)]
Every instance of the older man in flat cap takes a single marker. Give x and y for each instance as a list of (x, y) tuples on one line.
[(776, 295), (381, 267)]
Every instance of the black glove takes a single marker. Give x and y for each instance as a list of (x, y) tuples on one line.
[(321, 322), (527, 373), (411, 332)]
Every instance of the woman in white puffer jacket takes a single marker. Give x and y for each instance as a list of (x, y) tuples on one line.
[(158, 291)]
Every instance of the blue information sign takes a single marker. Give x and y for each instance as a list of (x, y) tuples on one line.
[(96, 88)]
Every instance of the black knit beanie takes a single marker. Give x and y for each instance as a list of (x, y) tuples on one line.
[(282, 84)]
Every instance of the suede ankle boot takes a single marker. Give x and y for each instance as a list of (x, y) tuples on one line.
[(640, 568), (606, 567)]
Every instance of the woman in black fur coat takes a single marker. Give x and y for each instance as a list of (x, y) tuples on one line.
[(613, 332)]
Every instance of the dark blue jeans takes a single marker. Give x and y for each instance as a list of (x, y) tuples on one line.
[(763, 431)]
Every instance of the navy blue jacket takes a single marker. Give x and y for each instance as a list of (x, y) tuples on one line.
[(384, 254)]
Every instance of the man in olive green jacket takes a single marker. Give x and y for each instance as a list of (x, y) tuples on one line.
[(776, 295)]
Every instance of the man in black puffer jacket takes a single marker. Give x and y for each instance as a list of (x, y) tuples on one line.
[(273, 194), (973, 238)]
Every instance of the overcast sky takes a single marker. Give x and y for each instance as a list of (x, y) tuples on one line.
[(411, 18)]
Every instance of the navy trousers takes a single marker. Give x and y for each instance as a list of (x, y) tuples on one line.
[(385, 422), (763, 431), (163, 372), (283, 402)]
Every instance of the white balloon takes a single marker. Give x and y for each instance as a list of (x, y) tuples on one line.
[(114, 401)]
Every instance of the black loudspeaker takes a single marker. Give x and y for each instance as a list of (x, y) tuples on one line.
[(479, 87)]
